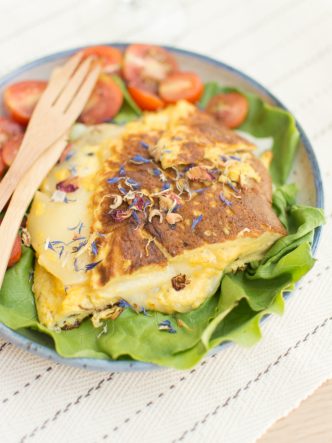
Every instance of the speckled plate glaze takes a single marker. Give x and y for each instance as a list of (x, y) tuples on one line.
[(305, 174)]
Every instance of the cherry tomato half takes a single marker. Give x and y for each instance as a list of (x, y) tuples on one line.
[(230, 108), (104, 103), (109, 57), (181, 86), (2, 165), (16, 252), (21, 98), (145, 100), (10, 149), (8, 128), (145, 66)]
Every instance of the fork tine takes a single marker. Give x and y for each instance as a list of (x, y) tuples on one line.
[(75, 107), (60, 78), (73, 85)]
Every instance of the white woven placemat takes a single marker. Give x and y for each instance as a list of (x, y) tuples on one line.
[(234, 395)]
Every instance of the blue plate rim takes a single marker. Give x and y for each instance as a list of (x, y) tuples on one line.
[(126, 365)]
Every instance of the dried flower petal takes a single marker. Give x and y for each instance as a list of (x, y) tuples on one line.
[(124, 304), (165, 186), (139, 160), (180, 281), (122, 171), (196, 221), (79, 246), (230, 185), (135, 217), (59, 197), (120, 215), (26, 237), (138, 203), (113, 180), (155, 213), (224, 199), (94, 248), (91, 266), (199, 173), (132, 183), (166, 326), (173, 218), (117, 201), (144, 145)]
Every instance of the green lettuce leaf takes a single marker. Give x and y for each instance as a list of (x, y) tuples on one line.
[(264, 120), (129, 110), (232, 314)]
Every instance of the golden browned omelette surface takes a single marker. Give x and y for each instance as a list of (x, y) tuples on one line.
[(173, 184), (155, 213)]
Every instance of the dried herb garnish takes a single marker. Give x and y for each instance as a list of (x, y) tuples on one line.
[(60, 197), (122, 171), (94, 248), (200, 190), (124, 304), (166, 186), (90, 266), (69, 185), (81, 245), (166, 326), (139, 160), (132, 183), (156, 172), (196, 221), (224, 199), (180, 281), (119, 215), (77, 228), (230, 185), (114, 180), (144, 145)]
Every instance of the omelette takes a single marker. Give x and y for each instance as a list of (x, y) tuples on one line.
[(148, 215)]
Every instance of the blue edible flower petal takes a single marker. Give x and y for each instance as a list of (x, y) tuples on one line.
[(113, 180), (122, 171), (124, 304), (144, 145), (94, 248), (135, 217), (140, 159), (133, 183), (230, 185), (122, 190), (196, 221), (165, 186), (200, 190), (90, 266), (166, 326), (156, 172), (224, 199)]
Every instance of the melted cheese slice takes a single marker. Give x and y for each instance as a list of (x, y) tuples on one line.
[(58, 227)]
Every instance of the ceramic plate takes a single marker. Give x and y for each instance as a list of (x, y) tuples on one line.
[(305, 174)]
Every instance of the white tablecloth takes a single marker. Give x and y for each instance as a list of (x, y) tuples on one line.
[(234, 395)]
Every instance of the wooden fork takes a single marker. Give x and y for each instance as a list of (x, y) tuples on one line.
[(22, 197), (32, 179), (58, 108)]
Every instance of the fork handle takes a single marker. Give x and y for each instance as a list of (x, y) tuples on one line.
[(21, 198)]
